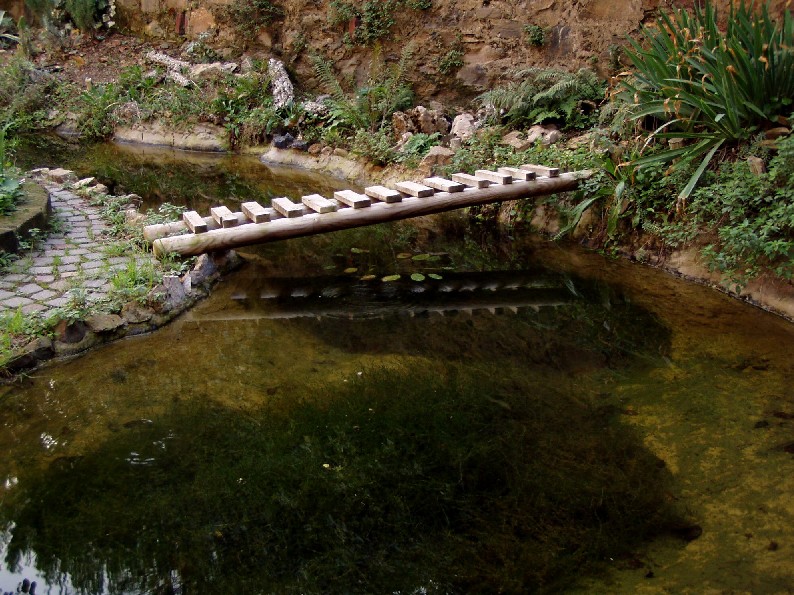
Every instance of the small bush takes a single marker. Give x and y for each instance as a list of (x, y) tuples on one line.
[(377, 146), (535, 34), (249, 16), (451, 62)]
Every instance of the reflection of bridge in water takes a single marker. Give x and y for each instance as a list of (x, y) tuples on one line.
[(350, 298)]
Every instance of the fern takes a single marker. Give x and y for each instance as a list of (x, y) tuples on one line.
[(542, 95)]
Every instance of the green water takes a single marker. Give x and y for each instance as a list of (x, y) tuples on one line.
[(532, 419)]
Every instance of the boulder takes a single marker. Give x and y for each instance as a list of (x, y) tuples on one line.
[(463, 126), (518, 140), (135, 313), (283, 141), (438, 155), (104, 323)]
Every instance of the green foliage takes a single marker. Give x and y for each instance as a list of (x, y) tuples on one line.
[(25, 95), (708, 86), (535, 34), (417, 147), (374, 18), (83, 12), (96, 118), (10, 192), (538, 95), (375, 146), (250, 16), (753, 216), (385, 92), (451, 62)]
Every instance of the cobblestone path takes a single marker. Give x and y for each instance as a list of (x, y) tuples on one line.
[(76, 261)]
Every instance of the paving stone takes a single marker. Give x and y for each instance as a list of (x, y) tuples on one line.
[(29, 289), (60, 285), (58, 302), (96, 283), (71, 259), (31, 308), (44, 279), (41, 270), (67, 268), (93, 264), (5, 294), (78, 251), (17, 301), (17, 277), (69, 274), (42, 261), (43, 295)]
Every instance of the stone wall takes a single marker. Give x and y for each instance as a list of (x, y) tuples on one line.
[(490, 34)]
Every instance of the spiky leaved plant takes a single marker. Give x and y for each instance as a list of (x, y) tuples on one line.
[(711, 87)]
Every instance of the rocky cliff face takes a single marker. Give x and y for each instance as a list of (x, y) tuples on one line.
[(461, 46)]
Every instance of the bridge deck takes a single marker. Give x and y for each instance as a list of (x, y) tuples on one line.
[(256, 224)]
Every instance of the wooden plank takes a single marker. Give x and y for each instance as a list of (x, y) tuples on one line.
[(223, 216), (255, 212), (469, 180), (383, 194), (541, 170), (353, 199), (414, 189), (287, 208), (517, 174), (194, 222), (443, 185), (319, 203), (494, 176)]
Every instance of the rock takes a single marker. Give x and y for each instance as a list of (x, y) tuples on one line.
[(135, 313), (201, 70), (97, 190), (300, 145), (402, 124), (70, 332), (463, 126), (404, 138), (203, 270), (315, 149), (517, 140), (688, 532), (283, 141), (551, 137), (438, 155), (455, 143), (176, 295), (283, 92), (340, 152), (62, 176), (104, 323), (133, 217), (757, 165), (31, 354), (429, 121), (246, 65), (83, 183), (327, 151)]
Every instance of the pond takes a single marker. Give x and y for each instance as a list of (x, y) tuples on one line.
[(509, 415)]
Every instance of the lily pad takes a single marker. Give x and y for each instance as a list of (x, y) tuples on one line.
[(417, 277), (388, 278), (358, 251), (404, 255), (350, 270), (368, 277), (434, 276), (421, 257)]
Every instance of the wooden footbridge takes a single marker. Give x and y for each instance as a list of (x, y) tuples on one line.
[(285, 219)]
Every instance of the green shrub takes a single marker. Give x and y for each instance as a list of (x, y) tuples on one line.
[(374, 18), (541, 95), (96, 118), (417, 147), (375, 146), (535, 34), (250, 16), (451, 62), (708, 86)]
